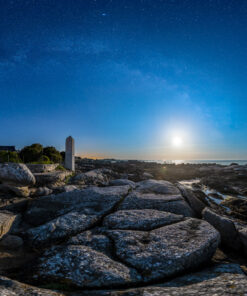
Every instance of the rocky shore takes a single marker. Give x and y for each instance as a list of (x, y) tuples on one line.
[(123, 228)]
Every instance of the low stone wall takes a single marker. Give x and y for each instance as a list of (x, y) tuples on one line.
[(42, 168)]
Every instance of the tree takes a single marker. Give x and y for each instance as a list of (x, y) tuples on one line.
[(31, 153), (62, 153), (9, 156), (53, 154)]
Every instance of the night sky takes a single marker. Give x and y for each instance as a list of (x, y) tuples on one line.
[(124, 77)]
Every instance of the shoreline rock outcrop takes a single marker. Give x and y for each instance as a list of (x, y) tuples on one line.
[(118, 232)]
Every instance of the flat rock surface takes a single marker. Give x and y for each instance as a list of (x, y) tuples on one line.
[(97, 242), (16, 174), (220, 280), (156, 186), (120, 182), (162, 202), (60, 228), (140, 219), (167, 250), (83, 267), (90, 201)]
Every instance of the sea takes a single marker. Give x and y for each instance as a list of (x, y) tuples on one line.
[(200, 161)]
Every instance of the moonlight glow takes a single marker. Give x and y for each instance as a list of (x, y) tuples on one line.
[(177, 141)]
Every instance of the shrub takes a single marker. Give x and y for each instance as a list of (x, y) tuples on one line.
[(62, 153), (31, 153), (60, 168), (44, 159), (53, 154), (8, 156)]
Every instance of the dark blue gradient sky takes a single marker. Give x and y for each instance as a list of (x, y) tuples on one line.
[(123, 77)]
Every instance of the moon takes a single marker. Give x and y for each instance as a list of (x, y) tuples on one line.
[(177, 141)]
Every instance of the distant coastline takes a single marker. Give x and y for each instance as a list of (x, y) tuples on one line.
[(201, 161)]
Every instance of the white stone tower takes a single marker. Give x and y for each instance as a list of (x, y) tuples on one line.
[(70, 154)]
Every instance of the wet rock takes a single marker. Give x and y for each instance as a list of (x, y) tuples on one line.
[(167, 250), (10, 287), (7, 222), (97, 242), (16, 174), (120, 182), (140, 219), (216, 195), (197, 204), (218, 183), (168, 203), (156, 186), (83, 267), (238, 206), (89, 201), (222, 279), (11, 242), (225, 226), (44, 179)]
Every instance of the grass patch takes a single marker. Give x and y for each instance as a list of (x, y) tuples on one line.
[(60, 168)]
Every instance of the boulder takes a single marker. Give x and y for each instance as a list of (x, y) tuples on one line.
[(7, 222), (49, 178), (168, 250), (41, 191), (15, 205), (21, 191), (147, 175), (225, 226), (197, 204), (60, 228), (83, 267), (168, 203), (243, 237), (10, 287), (16, 174), (73, 213), (89, 201), (140, 219), (11, 242), (120, 182), (222, 279), (93, 177), (157, 186), (42, 168), (68, 188)]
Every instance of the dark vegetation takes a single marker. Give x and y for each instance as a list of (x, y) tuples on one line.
[(34, 153)]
